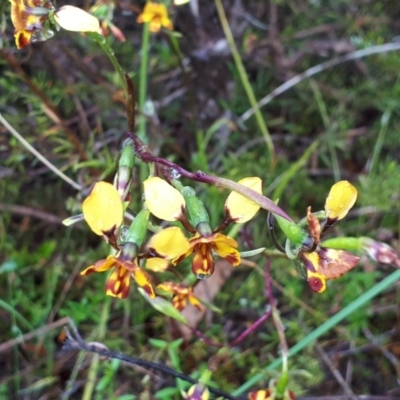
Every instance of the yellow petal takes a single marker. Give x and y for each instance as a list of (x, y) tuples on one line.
[(194, 301), (75, 19), (169, 243), (103, 209), (341, 198), (157, 264), (143, 279), (180, 2), (239, 207), (162, 199)]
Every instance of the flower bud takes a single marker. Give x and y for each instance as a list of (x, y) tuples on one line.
[(124, 174), (341, 198), (379, 251)]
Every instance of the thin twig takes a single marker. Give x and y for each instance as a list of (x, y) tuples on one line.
[(39, 156), (335, 372), (31, 212), (37, 332), (391, 357), (71, 343), (315, 70), (46, 102)]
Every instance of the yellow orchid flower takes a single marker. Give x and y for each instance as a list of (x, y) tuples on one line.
[(163, 200), (203, 248), (168, 243), (28, 18), (182, 295), (322, 263), (125, 268), (103, 209), (157, 16), (167, 203), (239, 207)]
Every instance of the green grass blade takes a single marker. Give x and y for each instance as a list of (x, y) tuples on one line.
[(325, 327)]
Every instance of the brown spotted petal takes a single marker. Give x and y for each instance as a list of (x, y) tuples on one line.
[(100, 266), (203, 261), (261, 395), (118, 283), (330, 263), (182, 293), (143, 280)]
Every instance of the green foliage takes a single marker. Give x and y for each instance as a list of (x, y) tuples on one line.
[(328, 128)]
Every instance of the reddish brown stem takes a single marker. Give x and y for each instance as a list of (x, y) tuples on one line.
[(144, 154)]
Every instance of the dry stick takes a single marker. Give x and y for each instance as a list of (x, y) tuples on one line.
[(335, 372), (393, 360), (79, 344), (31, 212), (315, 70), (37, 332), (39, 156), (71, 135), (144, 154)]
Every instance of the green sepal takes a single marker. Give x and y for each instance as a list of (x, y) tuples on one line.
[(72, 220), (281, 385), (300, 268), (127, 158), (137, 230), (195, 210), (251, 253), (292, 231), (352, 244)]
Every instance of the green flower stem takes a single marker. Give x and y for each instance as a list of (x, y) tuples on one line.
[(143, 81), (102, 42), (243, 76), (325, 327)]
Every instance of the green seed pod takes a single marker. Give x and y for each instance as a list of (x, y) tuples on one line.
[(137, 230), (292, 231), (195, 210)]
